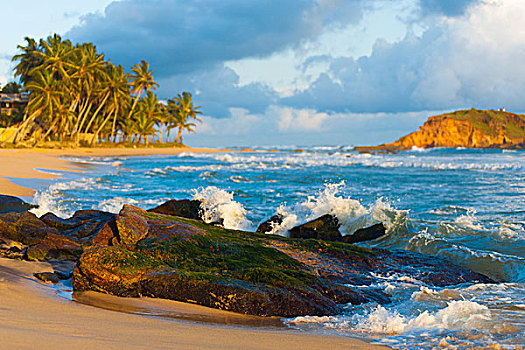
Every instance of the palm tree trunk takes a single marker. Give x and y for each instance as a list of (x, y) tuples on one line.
[(179, 134), (160, 132), (101, 127), (92, 118), (47, 132), (114, 123)]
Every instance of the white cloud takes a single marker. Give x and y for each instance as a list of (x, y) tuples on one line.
[(297, 120), (470, 60)]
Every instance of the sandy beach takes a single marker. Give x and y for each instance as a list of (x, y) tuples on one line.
[(23, 163), (33, 316)]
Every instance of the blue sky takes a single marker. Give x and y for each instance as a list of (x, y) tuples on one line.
[(301, 71)]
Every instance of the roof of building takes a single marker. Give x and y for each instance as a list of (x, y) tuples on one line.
[(21, 98)]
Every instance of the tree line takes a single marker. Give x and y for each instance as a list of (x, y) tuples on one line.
[(76, 96)]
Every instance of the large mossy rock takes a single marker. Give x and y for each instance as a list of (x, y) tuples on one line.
[(10, 204), (190, 261)]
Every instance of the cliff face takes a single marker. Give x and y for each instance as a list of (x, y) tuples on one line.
[(470, 128)]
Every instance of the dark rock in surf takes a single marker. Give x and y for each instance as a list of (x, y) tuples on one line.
[(185, 208), (366, 234), (269, 224), (10, 204), (325, 227)]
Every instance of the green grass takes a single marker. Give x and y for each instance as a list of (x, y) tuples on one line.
[(489, 120)]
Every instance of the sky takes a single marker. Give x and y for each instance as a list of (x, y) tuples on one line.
[(301, 72)]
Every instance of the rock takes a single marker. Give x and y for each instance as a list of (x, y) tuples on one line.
[(468, 128), (83, 226), (54, 247), (131, 224), (10, 204), (12, 249), (24, 227), (269, 224), (51, 277), (325, 227), (48, 277), (190, 209), (366, 234)]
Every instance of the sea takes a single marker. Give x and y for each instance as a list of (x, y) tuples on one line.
[(464, 205)]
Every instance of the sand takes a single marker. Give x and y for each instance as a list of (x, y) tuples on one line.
[(23, 163), (33, 316)]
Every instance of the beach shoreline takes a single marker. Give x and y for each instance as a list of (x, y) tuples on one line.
[(41, 163), (33, 315)]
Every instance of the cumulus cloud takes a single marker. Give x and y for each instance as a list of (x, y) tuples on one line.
[(178, 36), (286, 125), (473, 60), (298, 120), (218, 91)]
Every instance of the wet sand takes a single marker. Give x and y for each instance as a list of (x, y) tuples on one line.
[(33, 317)]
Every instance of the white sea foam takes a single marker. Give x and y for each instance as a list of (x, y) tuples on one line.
[(351, 214), (49, 200), (314, 158), (114, 205), (469, 221), (218, 205), (458, 314)]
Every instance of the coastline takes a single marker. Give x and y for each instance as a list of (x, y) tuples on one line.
[(23, 163), (34, 316)]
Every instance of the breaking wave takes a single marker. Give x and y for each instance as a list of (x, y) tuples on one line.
[(352, 215), (219, 207)]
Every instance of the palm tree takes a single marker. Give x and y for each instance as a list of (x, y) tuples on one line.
[(162, 119), (118, 89), (27, 60), (183, 110), (44, 102), (141, 79)]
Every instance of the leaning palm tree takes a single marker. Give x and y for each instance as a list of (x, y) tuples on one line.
[(141, 80), (183, 110), (118, 89), (44, 102)]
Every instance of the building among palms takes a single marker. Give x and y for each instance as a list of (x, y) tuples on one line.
[(12, 103)]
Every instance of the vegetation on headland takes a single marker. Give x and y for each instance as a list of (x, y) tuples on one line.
[(473, 128), (79, 98)]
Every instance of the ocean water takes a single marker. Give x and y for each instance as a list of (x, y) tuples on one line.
[(461, 204)]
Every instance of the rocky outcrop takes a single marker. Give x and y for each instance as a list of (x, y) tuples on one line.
[(251, 273), (139, 253), (25, 236), (10, 204), (269, 224), (469, 128)]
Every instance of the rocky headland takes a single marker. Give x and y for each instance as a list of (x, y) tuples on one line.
[(168, 252), (472, 128)]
